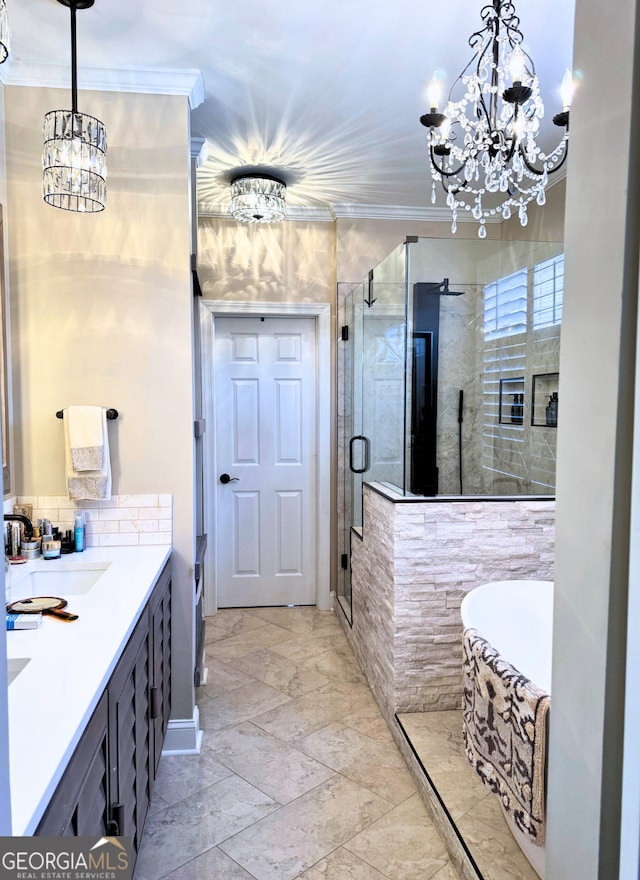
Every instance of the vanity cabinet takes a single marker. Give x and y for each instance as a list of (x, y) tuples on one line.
[(129, 720), (160, 692), (80, 804), (106, 787)]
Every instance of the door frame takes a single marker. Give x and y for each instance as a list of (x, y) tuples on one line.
[(209, 311)]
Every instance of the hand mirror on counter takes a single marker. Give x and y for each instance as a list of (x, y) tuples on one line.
[(42, 605)]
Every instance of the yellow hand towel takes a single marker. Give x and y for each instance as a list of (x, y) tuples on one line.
[(88, 485), (86, 439)]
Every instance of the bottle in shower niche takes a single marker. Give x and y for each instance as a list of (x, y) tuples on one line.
[(78, 532), (552, 411), (517, 409)]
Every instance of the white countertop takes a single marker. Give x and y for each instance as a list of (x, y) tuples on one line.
[(53, 697)]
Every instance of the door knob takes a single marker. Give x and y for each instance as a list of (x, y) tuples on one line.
[(225, 478)]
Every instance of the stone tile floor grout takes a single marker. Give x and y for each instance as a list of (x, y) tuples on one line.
[(298, 775)]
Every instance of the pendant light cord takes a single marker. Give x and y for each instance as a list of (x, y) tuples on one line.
[(74, 61)]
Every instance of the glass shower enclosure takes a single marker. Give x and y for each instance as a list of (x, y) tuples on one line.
[(448, 376)]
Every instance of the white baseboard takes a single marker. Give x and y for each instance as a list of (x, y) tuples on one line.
[(184, 736)]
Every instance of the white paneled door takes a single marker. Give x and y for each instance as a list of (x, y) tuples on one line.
[(265, 430)]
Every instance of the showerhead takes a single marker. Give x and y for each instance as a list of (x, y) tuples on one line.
[(440, 288), (446, 292)]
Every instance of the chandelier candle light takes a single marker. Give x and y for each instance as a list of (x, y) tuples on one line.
[(257, 198), (75, 147), (485, 142)]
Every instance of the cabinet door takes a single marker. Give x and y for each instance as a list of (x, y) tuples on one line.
[(129, 735), (160, 616), (79, 805)]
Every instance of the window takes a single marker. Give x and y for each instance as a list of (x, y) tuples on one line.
[(505, 306), (548, 287)]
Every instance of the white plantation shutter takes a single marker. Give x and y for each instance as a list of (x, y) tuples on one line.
[(548, 289), (505, 306)]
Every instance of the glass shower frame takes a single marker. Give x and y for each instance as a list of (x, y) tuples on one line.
[(425, 306)]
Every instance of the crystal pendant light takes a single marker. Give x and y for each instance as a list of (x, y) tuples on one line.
[(5, 33), (257, 198), (482, 148), (75, 147)]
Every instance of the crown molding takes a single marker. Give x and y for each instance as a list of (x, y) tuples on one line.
[(143, 80), (387, 212), (400, 212), (354, 212), (199, 150), (294, 212)]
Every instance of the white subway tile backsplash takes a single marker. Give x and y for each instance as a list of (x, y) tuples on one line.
[(153, 538), (119, 513), (155, 512), (117, 540), (137, 500), (139, 525), (123, 520)]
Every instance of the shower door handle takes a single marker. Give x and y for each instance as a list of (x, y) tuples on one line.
[(365, 441)]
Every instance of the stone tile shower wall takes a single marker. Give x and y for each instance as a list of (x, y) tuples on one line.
[(123, 521), (410, 571)]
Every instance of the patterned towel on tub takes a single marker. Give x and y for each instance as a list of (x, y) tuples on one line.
[(505, 733)]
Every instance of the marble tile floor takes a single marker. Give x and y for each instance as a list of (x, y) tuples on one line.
[(437, 739), (298, 776)]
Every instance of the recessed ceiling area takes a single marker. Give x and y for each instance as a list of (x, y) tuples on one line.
[(326, 97)]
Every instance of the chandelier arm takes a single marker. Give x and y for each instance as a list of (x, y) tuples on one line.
[(539, 172), (441, 171)]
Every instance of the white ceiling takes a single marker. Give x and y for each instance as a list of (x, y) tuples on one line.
[(328, 95)]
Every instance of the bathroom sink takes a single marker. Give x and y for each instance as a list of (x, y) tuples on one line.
[(15, 665), (63, 580)]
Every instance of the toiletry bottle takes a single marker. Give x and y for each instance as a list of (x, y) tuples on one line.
[(78, 532), (551, 412)]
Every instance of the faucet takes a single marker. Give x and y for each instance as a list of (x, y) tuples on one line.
[(28, 525)]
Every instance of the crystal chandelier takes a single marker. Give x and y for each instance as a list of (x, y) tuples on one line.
[(5, 33), (75, 147), (485, 141), (257, 198)]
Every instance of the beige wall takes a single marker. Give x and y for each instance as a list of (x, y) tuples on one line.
[(595, 449), (282, 262), (101, 314)]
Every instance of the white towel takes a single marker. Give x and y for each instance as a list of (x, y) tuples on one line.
[(94, 484), (85, 437)]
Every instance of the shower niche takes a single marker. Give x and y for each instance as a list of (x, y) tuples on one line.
[(438, 348)]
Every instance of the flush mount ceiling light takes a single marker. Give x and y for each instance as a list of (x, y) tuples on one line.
[(5, 33), (75, 147), (484, 142), (257, 198)]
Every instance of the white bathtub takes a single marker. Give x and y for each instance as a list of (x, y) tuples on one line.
[(516, 618)]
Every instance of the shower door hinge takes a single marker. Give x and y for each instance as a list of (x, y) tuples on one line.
[(344, 561), (345, 333)]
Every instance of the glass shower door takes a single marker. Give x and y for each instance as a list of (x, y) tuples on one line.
[(373, 402), (351, 469)]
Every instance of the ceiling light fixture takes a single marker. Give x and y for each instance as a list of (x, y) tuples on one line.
[(484, 142), (75, 147), (5, 33), (257, 198)]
